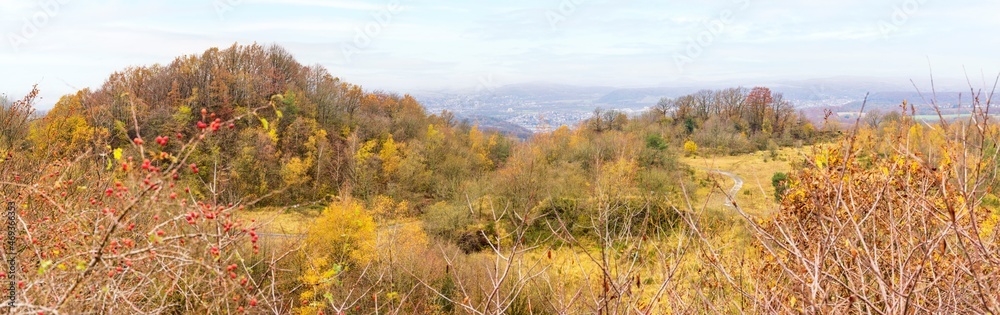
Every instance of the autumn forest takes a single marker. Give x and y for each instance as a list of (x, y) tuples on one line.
[(239, 180)]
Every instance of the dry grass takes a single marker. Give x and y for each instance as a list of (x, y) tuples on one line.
[(756, 169), (278, 220)]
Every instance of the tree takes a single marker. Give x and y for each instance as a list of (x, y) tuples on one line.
[(758, 101), (391, 156), (664, 107), (874, 117), (64, 131)]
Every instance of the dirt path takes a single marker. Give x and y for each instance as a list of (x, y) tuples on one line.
[(738, 184)]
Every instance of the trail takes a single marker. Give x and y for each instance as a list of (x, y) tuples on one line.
[(738, 184)]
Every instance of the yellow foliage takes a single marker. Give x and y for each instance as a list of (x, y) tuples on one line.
[(295, 170), (365, 152), (64, 129), (433, 134), (404, 242), (480, 147), (690, 147), (384, 208), (314, 141), (390, 156), (343, 234), (341, 239), (318, 277), (264, 124), (987, 229), (618, 178)]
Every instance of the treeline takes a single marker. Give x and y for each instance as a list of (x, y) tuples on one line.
[(737, 120)]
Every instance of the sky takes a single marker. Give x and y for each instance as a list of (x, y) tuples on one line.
[(420, 45)]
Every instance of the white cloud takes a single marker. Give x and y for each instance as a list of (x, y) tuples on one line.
[(338, 4), (453, 44)]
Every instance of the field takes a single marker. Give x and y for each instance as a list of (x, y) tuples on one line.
[(755, 169)]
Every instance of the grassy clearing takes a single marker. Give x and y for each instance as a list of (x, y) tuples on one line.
[(280, 220), (756, 169)]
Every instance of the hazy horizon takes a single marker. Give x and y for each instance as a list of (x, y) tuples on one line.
[(411, 46)]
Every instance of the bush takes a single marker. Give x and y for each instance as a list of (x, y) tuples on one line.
[(343, 234), (892, 234), (690, 148), (780, 183)]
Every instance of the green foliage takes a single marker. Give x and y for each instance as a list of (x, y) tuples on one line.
[(780, 183), (656, 142)]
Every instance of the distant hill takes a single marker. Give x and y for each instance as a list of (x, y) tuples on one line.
[(560, 104)]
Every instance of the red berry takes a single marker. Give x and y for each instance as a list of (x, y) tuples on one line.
[(138, 141)]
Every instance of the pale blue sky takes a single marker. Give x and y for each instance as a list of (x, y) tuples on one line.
[(64, 45)]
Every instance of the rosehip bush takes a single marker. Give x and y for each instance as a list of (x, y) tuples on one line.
[(118, 233)]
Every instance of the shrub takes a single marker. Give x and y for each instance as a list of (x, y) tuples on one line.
[(118, 232), (343, 234), (897, 233), (690, 148), (780, 183)]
